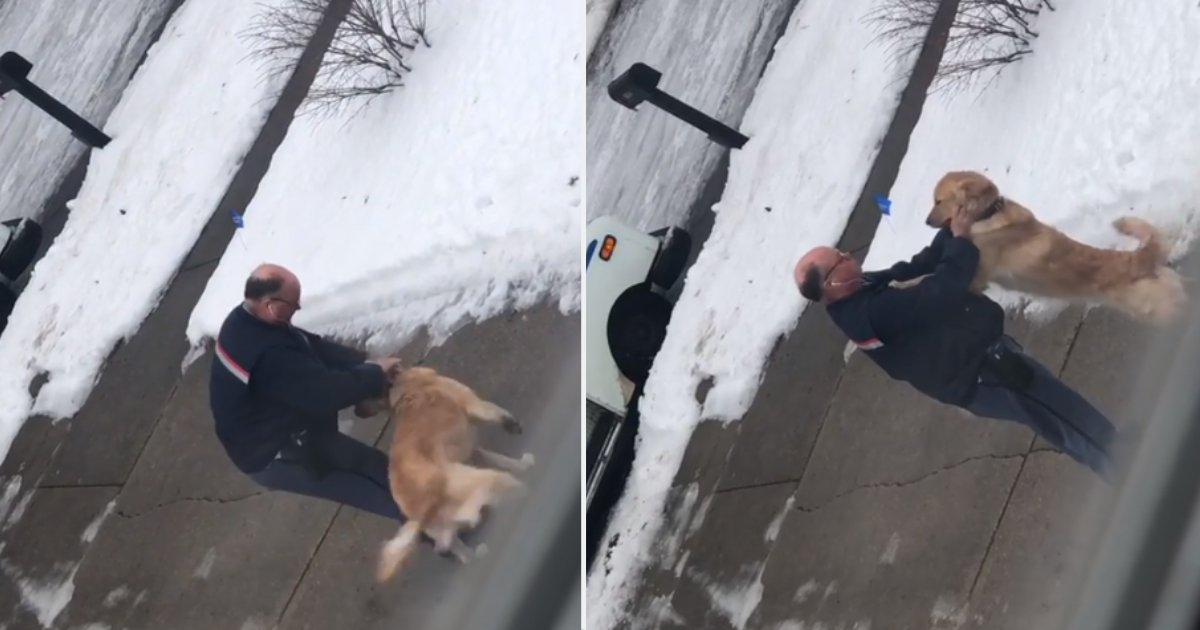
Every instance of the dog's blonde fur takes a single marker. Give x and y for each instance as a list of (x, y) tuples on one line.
[(1021, 253), (430, 480)]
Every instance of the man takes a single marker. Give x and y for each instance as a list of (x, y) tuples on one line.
[(275, 391), (949, 343)]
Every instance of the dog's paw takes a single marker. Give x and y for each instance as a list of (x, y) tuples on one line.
[(481, 550), (511, 424), (527, 461)]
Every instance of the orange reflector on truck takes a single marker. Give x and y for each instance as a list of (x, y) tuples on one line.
[(606, 250)]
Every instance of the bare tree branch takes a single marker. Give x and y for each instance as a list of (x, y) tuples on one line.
[(368, 54), (985, 36)]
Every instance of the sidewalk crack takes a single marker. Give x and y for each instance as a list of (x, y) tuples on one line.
[(129, 515), (908, 482)]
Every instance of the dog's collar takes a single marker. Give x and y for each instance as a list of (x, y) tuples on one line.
[(991, 210)]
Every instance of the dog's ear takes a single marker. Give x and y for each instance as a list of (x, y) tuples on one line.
[(978, 193)]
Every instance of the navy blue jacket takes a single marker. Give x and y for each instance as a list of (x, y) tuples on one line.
[(934, 335), (270, 383)]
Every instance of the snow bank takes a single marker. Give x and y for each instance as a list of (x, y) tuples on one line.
[(179, 134), (815, 124), (450, 200), (1099, 121)]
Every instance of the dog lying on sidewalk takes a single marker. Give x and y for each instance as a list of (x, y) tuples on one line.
[(434, 487)]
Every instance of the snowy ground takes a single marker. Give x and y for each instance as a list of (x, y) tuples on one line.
[(1097, 122), (81, 51), (447, 201), (647, 167), (815, 124), (147, 195)]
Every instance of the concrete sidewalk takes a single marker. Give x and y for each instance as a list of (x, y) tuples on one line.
[(845, 500), (167, 534)]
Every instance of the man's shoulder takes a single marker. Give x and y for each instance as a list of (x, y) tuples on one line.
[(852, 306), (236, 320), (852, 315), (243, 330)]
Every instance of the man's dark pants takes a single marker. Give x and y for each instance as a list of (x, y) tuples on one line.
[(336, 467), (1052, 409)]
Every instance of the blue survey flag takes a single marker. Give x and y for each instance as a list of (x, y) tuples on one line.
[(885, 204)]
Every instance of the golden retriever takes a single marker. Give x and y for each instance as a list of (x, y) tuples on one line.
[(1021, 253), (434, 487)]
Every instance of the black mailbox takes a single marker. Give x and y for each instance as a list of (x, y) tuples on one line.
[(639, 84), (635, 85), (14, 75), (14, 67)]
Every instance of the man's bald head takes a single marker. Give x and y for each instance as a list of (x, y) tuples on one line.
[(824, 274), (272, 293), (267, 280)]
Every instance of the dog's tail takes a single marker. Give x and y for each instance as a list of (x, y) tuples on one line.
[(1152, 253), (397, 551)]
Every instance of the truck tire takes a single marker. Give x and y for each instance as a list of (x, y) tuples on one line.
[(8, 299), (637, 326)]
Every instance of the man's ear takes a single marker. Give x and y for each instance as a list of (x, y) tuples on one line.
[(810, 286)]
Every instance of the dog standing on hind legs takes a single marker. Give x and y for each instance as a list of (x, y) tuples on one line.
[(1019, 252), (434, 487)]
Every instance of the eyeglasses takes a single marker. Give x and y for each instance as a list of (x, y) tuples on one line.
[(294, 305)]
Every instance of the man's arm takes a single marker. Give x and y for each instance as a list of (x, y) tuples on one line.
[(924, 262), (895, 311), (335, 354), (297, 379)]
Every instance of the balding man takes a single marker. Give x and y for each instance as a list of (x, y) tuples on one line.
[(949, 343), (275, 392)]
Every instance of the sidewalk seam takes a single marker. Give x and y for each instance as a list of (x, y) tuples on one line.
[(753, 486), (1012, 490), (908, 482), (1024, 459), (65, 486), (132, 515), (307, 565)]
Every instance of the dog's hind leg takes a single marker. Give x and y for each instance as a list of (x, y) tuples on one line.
[(396, 552), (486, 411), (446, 540), (504, 462), (480, 487)]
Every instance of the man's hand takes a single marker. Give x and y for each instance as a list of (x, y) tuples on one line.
[(961, 222), (390, 365)]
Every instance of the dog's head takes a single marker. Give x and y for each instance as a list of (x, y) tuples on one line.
[(971, 190)]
